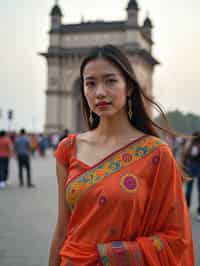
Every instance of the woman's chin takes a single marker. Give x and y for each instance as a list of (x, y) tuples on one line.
[(105, 115)]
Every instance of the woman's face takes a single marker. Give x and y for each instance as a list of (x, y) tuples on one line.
[(105, 88)]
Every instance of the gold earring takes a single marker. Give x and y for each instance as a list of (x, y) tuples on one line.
[(91, 117), (130, 112)]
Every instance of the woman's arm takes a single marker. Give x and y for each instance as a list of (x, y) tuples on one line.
[(60, 231)]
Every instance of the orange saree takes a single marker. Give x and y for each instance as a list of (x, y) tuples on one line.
[(129, 209)]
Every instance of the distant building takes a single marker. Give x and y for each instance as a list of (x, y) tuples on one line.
[(69, 43)]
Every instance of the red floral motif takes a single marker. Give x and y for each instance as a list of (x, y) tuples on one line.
[(127, 157)]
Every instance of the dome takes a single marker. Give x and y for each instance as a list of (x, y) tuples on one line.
[(132, 5), (56, 11)]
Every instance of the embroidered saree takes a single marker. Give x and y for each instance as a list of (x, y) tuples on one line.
[(129, 209)]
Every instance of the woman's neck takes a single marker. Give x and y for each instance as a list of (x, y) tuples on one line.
[(115, 127)]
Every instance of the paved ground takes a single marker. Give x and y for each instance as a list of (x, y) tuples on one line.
[(27, 217)]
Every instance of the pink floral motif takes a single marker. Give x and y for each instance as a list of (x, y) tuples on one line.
[(127, 157), (102, 200), (156, 159), (130, 182)]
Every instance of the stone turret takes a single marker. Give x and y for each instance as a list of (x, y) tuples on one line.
[(56, 17), (132, 13), (147, 27)]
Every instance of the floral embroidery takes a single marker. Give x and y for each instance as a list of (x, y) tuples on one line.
[(102, 253), (127, 157), (137, 255), (129, 183), (121, 255), (117, 244), (157, 242), (102, 200), (115, 253), (78, 186), (156, 159), (141, 151), (114, 165)]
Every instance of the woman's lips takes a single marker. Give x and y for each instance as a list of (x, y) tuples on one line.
[(103, 105)]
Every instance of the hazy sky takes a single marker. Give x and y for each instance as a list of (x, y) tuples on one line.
[(24, 26)]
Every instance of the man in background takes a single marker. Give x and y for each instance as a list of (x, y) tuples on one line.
[(23, 148)]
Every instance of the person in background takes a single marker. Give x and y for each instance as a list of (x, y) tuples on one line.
[(191, 160), (64, 134), (6, 149), (34, 144), (22, 150), (54, 141), (43, 144)]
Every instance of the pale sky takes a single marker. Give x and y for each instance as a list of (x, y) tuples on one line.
[(24, 26)]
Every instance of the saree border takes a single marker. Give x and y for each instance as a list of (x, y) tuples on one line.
[(104, 159), (122, 252), (115, 162)]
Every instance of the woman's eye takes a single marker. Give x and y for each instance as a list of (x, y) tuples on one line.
[(111, 81), (90, 84)]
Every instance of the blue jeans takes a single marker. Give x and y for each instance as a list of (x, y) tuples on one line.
[(194, 170), (3, 169)]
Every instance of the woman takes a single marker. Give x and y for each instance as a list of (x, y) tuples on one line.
[(120, 192)]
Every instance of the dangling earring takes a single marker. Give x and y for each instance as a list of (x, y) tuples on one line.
[(91, 118), (130, 112)]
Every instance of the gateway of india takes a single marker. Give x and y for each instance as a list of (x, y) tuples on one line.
[(69, 43)]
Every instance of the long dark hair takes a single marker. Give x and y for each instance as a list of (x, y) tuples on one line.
[(140, 120)]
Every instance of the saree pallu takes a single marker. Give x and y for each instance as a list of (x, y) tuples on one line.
[(129, 210)]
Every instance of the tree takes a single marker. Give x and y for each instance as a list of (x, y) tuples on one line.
[(183, 123)]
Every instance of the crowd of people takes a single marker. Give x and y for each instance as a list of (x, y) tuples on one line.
[(187, 153), (23, 146)]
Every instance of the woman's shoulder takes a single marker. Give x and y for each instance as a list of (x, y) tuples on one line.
[(161, 145), (83, 137)]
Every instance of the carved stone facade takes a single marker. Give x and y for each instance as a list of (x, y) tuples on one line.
[(70, 43)]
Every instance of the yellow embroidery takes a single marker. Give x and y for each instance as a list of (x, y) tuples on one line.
[(157, 242), (126, 156)]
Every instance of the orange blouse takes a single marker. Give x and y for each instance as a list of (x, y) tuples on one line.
[(129, 209)]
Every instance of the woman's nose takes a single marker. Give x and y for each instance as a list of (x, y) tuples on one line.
[(100, 91)]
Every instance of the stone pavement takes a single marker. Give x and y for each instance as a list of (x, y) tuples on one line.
[(28, 216)]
